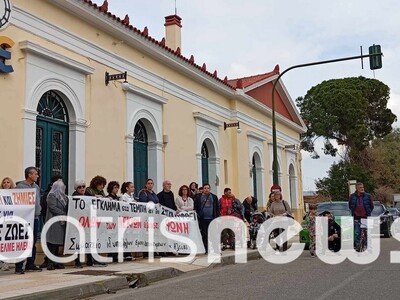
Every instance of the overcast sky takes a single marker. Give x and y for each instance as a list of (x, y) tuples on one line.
[(242, 38)]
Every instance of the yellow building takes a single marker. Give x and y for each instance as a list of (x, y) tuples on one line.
[(166, 122)]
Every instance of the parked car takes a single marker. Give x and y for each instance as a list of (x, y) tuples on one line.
[(386, 218), (337, 208), (394, 212)]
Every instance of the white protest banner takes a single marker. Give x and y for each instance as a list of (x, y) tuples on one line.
[(103, 219), (17, 213)]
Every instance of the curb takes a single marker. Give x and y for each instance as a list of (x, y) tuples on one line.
[(230, 259), (118, 281), (123, 280), (79, 291), (145, 278)]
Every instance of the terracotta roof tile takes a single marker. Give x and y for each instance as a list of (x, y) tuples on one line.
[(244, 82), (126, 20), (145, 33)]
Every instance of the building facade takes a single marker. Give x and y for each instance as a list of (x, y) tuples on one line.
[(165, 122)]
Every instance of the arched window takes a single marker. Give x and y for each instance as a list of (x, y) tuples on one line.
[(204, 164), (52, 106), (292, 187), (140, 156), (254, 175), (140, 133)]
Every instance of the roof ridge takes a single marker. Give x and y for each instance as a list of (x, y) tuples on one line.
[(245, 82), (274, 71), (145, 34)]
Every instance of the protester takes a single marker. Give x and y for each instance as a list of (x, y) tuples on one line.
[(193, 189), (334, 232), (280, 207), (226, 203), (127, 190), (199, 193), (80, 189), (57, 203), (207, 209), (31, 176), (250, 206), (6, 183), (43, 199), (311, 219), (183, 202), (96, 187), (229, 206), (43, 204), (267, 212), (271, 198), (147, 194), (112, 190), (166, 196), (361, 206)]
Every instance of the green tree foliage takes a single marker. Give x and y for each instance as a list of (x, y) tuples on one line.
[(336, 184), (353, 111), (383, 161)]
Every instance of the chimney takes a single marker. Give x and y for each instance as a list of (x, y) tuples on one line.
[(173, 32)]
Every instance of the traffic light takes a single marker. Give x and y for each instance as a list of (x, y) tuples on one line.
[(375, 62)]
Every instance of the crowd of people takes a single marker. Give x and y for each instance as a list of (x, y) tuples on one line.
[(54, 202)]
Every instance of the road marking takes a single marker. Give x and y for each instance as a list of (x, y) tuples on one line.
[(348, 280)]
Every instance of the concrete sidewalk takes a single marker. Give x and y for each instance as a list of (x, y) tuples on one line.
[(72, 283)]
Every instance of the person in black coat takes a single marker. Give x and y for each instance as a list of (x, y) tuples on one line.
[(207, 208), (166, 196), (250, 206), (334, 232)]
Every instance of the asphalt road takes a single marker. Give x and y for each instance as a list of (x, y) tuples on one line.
[(305, 278)]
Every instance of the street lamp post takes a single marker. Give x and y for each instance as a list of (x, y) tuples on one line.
[(373, 66)]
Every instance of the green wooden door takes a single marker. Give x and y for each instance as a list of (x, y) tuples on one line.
[(254, 174), (52, 133), (140, 157), (51, 151)]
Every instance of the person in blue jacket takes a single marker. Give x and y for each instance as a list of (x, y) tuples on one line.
[(361, 206)]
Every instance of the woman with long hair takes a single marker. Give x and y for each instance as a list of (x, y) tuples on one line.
[(127, 190), (147, 194), (193, 189), (7, 183), (184, 202)]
